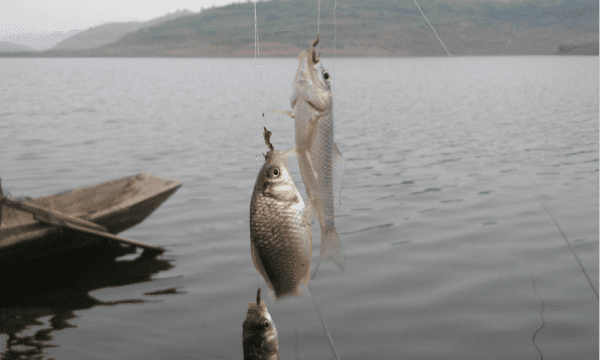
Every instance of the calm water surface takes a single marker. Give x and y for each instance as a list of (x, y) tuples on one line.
[(451, 254)]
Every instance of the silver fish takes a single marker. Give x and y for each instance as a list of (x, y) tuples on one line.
[(321, 163), (280, 233), (259, 336)]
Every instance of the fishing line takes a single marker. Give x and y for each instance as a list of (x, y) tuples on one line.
[(319, 19), (257, 61), (262, 97), (541, 316), (540, 196), (259, 76), (334, 39), (296, 345), (435, 32), (331, 344)]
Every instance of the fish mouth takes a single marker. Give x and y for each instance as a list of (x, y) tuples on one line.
[(307, 78)]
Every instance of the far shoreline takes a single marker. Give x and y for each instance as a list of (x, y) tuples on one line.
[(279, 50), (28, 56)]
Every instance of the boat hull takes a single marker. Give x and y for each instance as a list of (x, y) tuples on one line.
[(117, 205)]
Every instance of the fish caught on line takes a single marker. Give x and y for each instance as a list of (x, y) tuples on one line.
[(259, 335), (321, 163), (280, 232)]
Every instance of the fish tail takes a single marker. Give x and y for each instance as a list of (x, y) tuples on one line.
[(331, 248)]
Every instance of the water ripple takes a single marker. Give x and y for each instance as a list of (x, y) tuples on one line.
[(368, 229)]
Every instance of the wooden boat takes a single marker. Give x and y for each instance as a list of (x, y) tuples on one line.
[(80, 217)]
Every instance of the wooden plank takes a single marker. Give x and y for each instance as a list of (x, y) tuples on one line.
[(53, 217), (56, 218), (110, 236)]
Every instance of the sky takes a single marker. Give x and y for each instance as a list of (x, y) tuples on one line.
[(38, 23), (31, 17)]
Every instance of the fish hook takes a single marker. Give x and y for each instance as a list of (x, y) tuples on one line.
[(267, 136), (315, 58)]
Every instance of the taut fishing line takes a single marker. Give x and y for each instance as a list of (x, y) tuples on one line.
[(259, 76), (319, 19), (333, 349), (540, 195), (331, 344), (256, 69), (542, 317), (334, 39)]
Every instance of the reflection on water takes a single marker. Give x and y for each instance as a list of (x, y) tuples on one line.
[(44, 294)]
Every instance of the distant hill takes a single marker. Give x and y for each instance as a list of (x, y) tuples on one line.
[(9, 47), (111, 32), (39, 40), (580, 49), (364, 28), (97, 36)]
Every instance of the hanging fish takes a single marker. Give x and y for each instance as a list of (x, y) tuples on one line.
[(280, 233), (259, 336), (321, 163)]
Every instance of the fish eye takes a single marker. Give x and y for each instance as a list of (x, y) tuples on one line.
[(266, 324), (275, 172), (326, 75)]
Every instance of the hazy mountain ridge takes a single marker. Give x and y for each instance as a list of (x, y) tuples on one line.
[(98, 35), (111, 32), (38, 41), (365, 28), (6, 46), (581, 49)]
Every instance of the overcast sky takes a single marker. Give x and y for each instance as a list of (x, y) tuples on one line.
[(44, 16)]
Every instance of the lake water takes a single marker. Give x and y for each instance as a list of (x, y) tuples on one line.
[(451, 253)]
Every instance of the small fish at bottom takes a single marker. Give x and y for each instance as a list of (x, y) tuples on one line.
[(259, 336)]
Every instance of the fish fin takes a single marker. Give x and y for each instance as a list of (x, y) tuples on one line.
[(339, 166), (259, 266), (312, 167), (290, 156), (311, 132), (284, 112), (331, 248), (309, 214)]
